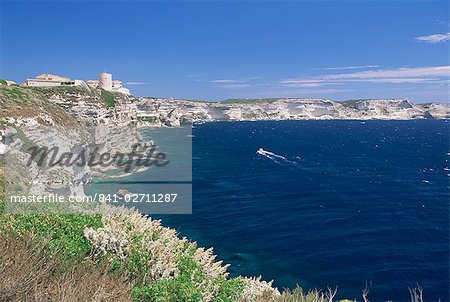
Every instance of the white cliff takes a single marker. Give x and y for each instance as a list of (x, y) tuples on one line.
[(173, 112)]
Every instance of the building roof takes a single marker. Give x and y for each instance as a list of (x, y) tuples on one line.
[(52, 77)]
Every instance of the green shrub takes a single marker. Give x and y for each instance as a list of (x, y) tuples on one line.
[(190, 285), (64, 232), (230, 290), (184, 287), (108, 98), (14, 93)]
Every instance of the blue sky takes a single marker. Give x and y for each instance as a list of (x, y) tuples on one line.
[(232, 49)]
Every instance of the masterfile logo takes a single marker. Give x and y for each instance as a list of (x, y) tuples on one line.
[(65, 169)]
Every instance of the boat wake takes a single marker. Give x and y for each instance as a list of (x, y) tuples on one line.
[(281, 160)]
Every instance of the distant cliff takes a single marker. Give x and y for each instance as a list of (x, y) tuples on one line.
[(96, 107), (174, 112)]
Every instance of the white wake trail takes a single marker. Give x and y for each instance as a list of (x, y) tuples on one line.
[(274, 157)]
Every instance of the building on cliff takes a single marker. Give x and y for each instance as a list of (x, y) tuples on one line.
[(51, 80), (106, 82)]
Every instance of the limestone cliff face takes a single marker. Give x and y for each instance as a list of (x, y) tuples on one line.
[(173, 112), (97, 107), (61, 118)]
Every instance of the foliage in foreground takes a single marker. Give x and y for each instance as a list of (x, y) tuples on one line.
[(30, 271), (122, 256), (64, 233), (154, 264), (164, 267)]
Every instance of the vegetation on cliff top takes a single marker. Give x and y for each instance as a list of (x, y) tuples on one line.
[(108, 98), (23, 103), (15, 95)]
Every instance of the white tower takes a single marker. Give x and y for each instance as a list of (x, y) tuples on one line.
[(105, 81)]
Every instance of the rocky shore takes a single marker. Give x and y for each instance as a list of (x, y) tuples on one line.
[(175, 112)]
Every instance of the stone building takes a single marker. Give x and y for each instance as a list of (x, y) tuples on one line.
[(50, 80), (106, 82)]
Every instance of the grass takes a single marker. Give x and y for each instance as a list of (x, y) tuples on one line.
[(23, 102), (30, 271), (44, 258), (14, 93), (63, 232), (61, 90), (108, 98)]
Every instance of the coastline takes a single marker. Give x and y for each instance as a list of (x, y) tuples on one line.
[(49, 114)]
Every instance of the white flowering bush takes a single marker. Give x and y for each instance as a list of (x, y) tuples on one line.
[(107, 239), (206, 258), (150, 252), (255, 289), (166, 268)]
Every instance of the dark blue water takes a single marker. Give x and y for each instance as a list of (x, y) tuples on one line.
[(350, 202), (336, 203)]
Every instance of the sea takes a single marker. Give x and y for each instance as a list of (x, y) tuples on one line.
[(325, 203)]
